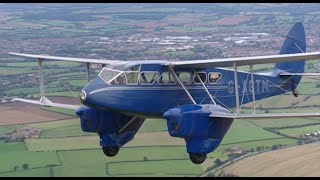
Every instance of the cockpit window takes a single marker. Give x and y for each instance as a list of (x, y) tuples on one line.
[(107, 74), (121, 79)]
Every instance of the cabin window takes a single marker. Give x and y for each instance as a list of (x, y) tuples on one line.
[(148, 77), (185, 77), (202, 75), (121, 79), (132, 77), (214, 77), (167, 78)]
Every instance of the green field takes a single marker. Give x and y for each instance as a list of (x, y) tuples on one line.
[(39, 172), (67, 143), (174, 167), (60, 110), (296, 132), (242, 130), (278, 123), (16, 154)]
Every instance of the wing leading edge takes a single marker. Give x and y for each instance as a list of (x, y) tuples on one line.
[(241, 61), (59, 58), (264, 116), (48, 103)]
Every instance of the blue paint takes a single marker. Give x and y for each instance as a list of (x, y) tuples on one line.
[(192, 122)]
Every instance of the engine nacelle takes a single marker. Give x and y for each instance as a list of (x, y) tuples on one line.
[(192, 122), (108, 125)]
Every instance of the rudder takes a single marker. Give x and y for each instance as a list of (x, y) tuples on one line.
[(295, 42)]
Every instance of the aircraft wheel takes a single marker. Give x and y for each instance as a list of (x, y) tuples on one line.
[(197, 158), (110, 151)]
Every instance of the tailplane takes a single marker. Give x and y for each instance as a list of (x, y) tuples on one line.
[(295, 42)]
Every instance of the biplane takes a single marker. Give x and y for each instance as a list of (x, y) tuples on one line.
[(195, 97)]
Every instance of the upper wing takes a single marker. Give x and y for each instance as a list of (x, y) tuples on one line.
[(240, 61), (96, 61), (207, 63), (264, 116)]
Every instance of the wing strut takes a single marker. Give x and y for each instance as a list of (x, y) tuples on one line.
[(205, 88), (252, 87), (185, 89), (88, 71), (40, 68), (236, 86)]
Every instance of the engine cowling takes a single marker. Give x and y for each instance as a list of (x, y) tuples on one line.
[(108, 124), (192, 122)]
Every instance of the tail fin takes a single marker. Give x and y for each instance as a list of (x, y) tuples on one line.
[(295, 42)]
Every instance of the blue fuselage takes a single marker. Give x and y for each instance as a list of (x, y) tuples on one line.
[(152, 100)]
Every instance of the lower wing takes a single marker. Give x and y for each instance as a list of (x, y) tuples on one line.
[(46, 102)]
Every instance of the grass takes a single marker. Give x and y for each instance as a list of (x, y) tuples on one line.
[(254, 144), (278, 123), (56, 124), (296, 132), (67, 143), (95, 162), (60, 110), (175, 167), (15, 154), (153, 125), (39, 172), (242, 130), (65, 131)]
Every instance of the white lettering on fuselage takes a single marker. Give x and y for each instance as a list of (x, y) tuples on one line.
[(261, 86)]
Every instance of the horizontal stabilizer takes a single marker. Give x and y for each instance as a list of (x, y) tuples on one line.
[(299, 74), (265, 116), (48, 103)]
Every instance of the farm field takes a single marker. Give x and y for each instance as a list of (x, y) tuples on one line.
[(303, 159)]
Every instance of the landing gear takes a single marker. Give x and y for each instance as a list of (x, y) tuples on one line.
[(197, 158), (110, 151), (295, 93)]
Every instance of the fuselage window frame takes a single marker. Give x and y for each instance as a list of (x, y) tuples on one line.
[(156, 78), (220, 76)]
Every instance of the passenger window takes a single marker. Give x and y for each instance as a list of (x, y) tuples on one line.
[(121, 79), (148, 77), (214, 77), (185, 77), (166, 78), (132, 77), (202, 75)]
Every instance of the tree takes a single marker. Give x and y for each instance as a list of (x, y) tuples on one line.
[(15, 168), (145, 158), (25, 166), (218, 162)]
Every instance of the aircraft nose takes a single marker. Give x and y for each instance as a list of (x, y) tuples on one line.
[(87, 95)]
